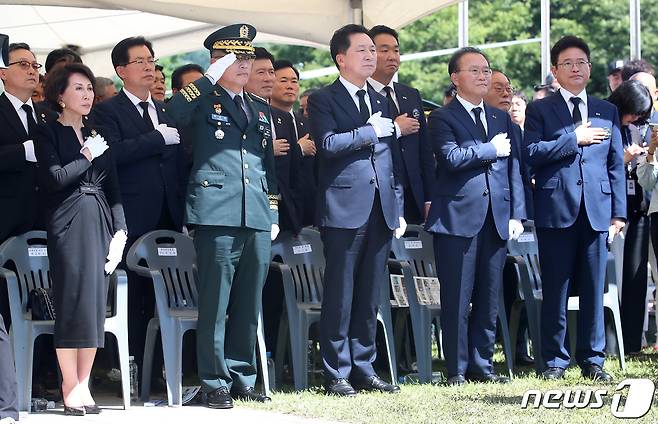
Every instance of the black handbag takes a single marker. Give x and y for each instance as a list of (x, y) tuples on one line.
[(40, 301)]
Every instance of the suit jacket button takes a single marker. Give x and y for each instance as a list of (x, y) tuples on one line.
[(579, 182), (372, 181), (486, 192), (205, 183), (246, 180)]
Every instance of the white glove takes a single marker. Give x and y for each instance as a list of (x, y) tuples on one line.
[(29, 151), (515, 229), (612, 233), (399, 232), (117, 244), (502, 145), (170, 134), (383, 126), (217, 69), (96, 146), (275, 231)]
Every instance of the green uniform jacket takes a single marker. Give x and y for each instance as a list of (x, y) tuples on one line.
[(232, 182)]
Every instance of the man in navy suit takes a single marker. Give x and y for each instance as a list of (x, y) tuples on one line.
[(573, 145), (360, 203), (411, 128), (478, 204), (150, 166)]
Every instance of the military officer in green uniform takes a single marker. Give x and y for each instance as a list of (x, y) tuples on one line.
[(232, 202)]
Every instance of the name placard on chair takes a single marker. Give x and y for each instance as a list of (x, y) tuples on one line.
[(167, 251), (526, 238), (399, 291), (37, 251), (428, 291), (302, 248), (413, 244)]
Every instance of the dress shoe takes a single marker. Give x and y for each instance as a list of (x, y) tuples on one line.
[(455, 380), (339, 387), (92, 409), (374, 383), (487, 378), (248, 394), (220, 399), (524, 360), (76, 412), (596, 373), (553, 373)]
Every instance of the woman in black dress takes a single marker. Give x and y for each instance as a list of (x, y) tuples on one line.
[(85, 222)]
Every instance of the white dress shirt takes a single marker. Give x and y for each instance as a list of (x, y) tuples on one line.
[(18, 105), (153, 113), (582, 106), (352, 89), (469, 108)]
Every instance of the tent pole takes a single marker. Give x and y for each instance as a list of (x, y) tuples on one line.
[(545, 38), (462, 28), (357, 11), (635, 30)]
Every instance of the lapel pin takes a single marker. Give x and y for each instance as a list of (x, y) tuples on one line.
[(597, 114), (378, 102), (278, 121), (218, 108), (404, 97), (163, 109)]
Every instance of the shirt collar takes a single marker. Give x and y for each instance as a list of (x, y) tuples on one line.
[(468, 105), (232, 94), (17, 103), (566, 95), (136, 100), (351, 88), (378, 86)]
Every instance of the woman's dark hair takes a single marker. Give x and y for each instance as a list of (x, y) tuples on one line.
[(632, 98), (58, 81)]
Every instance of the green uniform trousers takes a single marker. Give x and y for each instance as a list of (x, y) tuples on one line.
[(232, 264)]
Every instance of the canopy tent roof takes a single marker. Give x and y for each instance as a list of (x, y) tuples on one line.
[(179, 26)]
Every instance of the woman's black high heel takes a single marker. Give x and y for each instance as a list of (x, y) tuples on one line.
[(78, 412), (92, 409)]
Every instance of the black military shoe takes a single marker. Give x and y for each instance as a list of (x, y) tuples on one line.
[(455, 380), (553, 373), (596, 373), (374, 383), (487, 378), (248, 394), (339, 387), (220, 399)]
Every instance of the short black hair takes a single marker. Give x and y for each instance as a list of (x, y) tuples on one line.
[(340, 41), (521, 95), (451, 91), (632, 98), (308, 92), (120, 51), (177, 75), (161, 69), (57, 82), (383, 29), (262, 53), (568, 42), (19, 46), (456, 56), (282, 64), (58, 55), (634, 66)]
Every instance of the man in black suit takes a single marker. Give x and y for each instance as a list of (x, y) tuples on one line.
[(410, 125), (150, 166)]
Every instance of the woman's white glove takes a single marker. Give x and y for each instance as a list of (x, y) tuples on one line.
[(275, 232), (399, 232), (117, 244), (515, 229), (96, 146)]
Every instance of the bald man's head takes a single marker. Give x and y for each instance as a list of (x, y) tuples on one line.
[(649, 81)]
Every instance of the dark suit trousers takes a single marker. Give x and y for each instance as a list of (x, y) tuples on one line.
[(470, 271), (576, 256), (634, 287), (8, 385), (232, 264), (354, 274)]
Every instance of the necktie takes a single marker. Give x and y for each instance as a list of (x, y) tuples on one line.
[(389, 95), (478, 123), (239, 102), (577, 117), (145, 116), (31, 123), (363, 107)]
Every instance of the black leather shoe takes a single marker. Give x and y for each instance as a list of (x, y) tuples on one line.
[(524, 360), (220, 399), (92, 409), (374, 383), (596, 373), (455, 380), (487, 378), (76, 412), (339, 387), (248, 394), (553, 373)]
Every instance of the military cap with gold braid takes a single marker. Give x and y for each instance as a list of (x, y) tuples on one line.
[(232, 39)]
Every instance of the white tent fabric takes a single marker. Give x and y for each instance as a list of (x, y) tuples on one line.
[(178, 26)]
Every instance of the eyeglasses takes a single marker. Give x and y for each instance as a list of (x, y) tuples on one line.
[(475, 72), (142, 61), (500, 89), (580, 64), (25, 65)]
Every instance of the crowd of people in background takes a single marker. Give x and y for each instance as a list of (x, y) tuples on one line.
[(230, 161)]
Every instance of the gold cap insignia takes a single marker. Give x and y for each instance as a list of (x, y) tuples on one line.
[(244, 31)]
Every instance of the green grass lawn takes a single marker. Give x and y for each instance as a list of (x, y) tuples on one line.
[(488, 403)]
